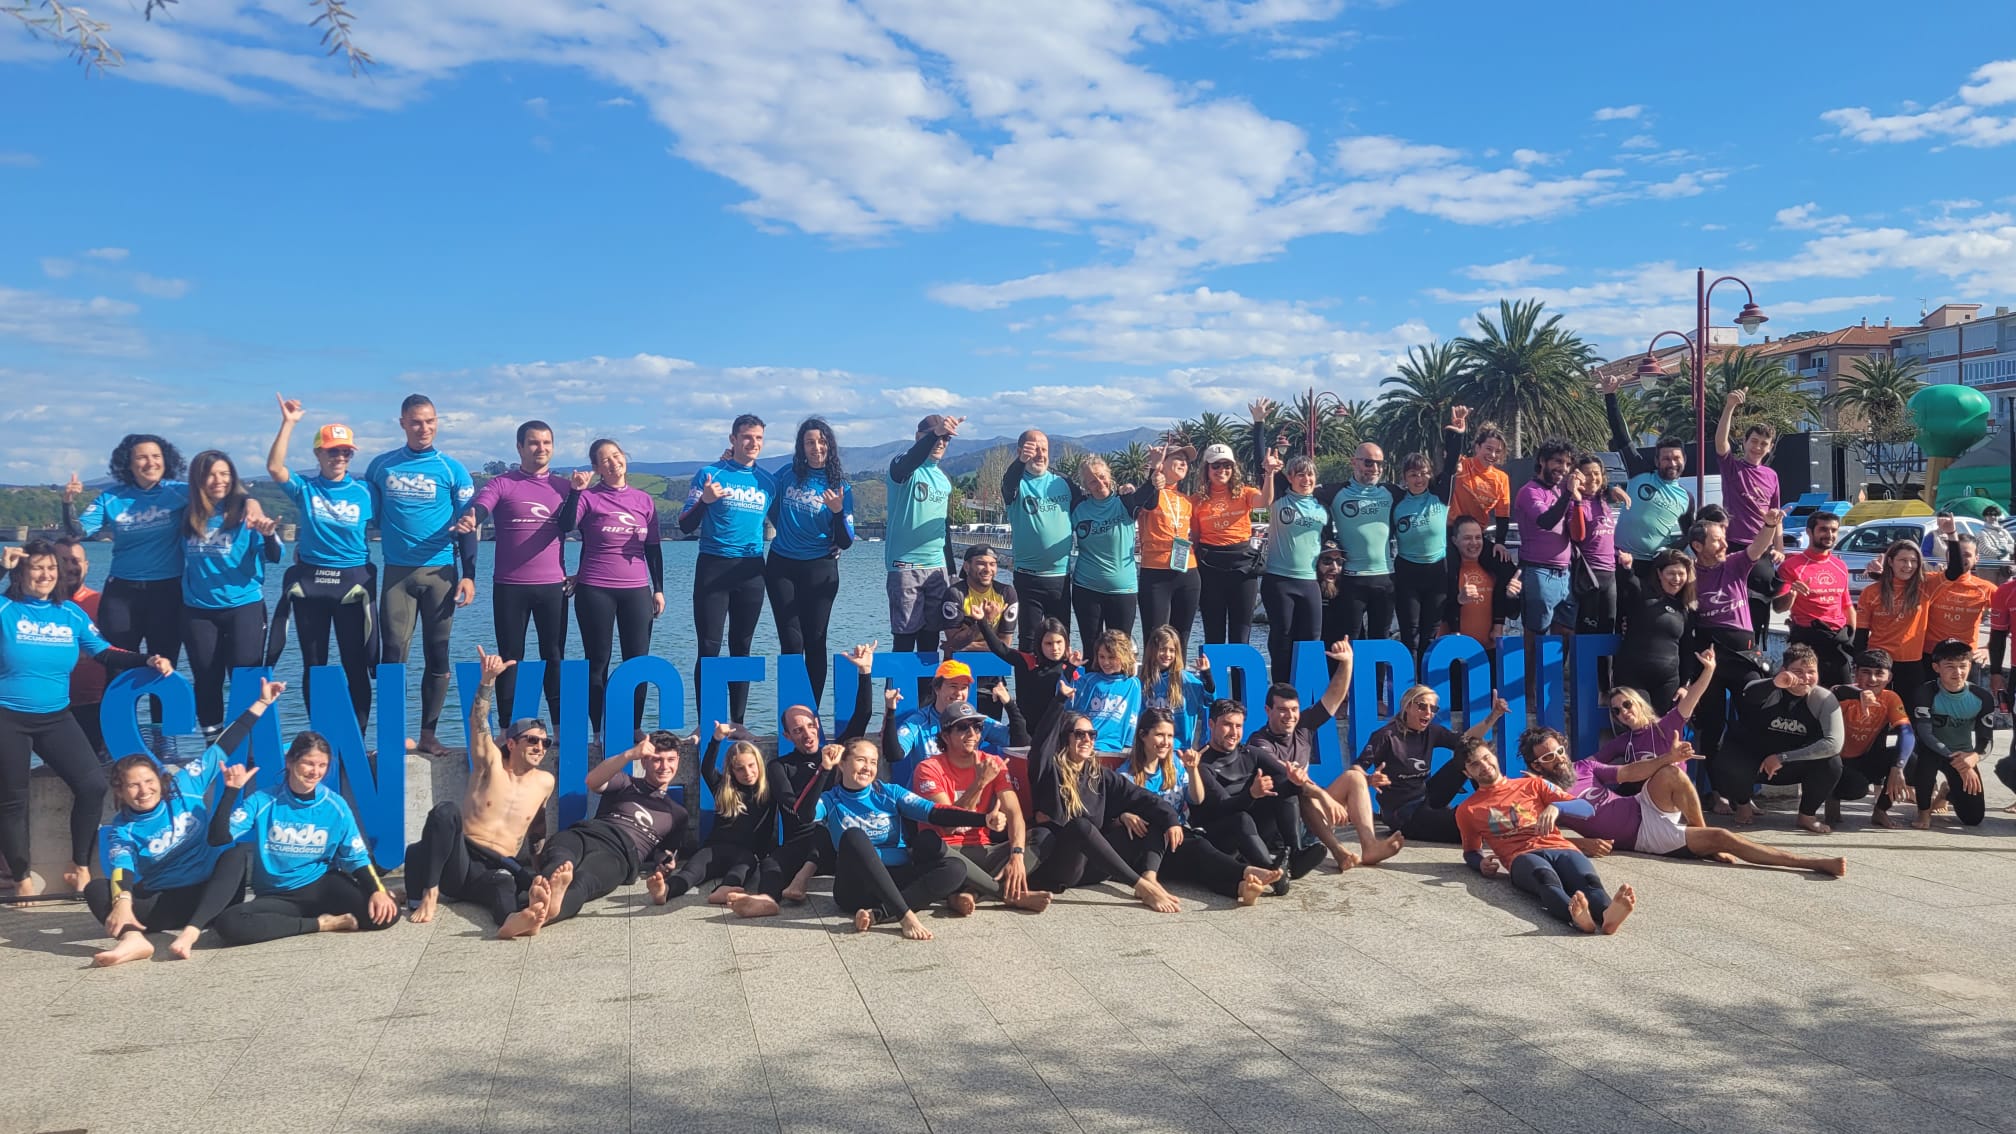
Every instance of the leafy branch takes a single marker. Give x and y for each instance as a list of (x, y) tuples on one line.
[(84, 35)]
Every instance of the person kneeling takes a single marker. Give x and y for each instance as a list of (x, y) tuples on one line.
[(1516, 819)]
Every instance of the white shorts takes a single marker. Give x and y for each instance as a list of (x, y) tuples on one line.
[(1659, 832)]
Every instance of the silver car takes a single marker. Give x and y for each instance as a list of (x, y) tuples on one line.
[(1864, 542)]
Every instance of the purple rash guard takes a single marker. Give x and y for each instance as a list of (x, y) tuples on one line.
[(525, 511), (616, 525)]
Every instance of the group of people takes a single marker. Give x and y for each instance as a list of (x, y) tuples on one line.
[(1134, 765)]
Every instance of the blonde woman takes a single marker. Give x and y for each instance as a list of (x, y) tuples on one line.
[(1076, 797), (745, 820), (1399, 758), (1105, 586), (1109, 693)]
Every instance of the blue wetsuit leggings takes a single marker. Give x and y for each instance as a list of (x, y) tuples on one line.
[(1552, 875)]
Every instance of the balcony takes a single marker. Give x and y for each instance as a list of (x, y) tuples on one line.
[(1994, 370)]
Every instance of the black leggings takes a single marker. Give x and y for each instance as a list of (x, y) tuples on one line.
[(1418, 593), (220, 641), (196, 904), (602, 861), (291, 913), (1432, 820), (605, 613), (1038, 597), (1908, 678), (1733, 670), (1970, 807), (464, 871), (1077, 854), (780, 866), (1735, 770), (544, 606), (726, 592), (313, 620), (426, 596), (131, 612), (1869, 771), (862, 881), (733, 865), (1596, 606), (1763, 584), (1261, 835), (56, 738), (802, 593), (1169, 598), (1195, 861), (1835, 649), (1099, 612), (1226, 599), (1368, 606), (1553, 874), (1294, 614)]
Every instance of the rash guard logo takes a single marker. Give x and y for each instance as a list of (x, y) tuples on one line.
[(345, 512), (180, 829), (411, 486), (289, 836), (139, 519), (540, 513), (27, 631)]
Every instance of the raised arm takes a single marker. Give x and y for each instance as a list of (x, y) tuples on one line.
[(1483, 728), (1691, 696), (1767, 536), (599, 776), (291, 414), (483, 750), (1326, 706), (1728, 420)]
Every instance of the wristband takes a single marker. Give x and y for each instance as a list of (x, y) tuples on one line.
[(1015, 852)]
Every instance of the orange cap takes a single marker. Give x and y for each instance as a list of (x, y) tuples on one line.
[(954, 671), (335, 437)]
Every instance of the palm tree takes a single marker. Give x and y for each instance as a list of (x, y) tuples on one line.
[(1129, 465), (1410, 419), (1870, 408), (1774, 396), (1210, 428), (1528, 372)]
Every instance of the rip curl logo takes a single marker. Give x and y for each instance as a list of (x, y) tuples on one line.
[(30, 631), (411, 486), (539, 514), (140, 519), (183, 826), (345, 512), (296, 836)]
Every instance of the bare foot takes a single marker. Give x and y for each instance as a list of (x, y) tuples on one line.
[(656, 886), (722, 895), (1578, 913), (1923, 820), (1621, 904), (1725, 858), (1258, 880), (412, 745), (795, 892), (25, 887), (1034, 901), (77, 877), (754, 905), (913, 929), (1345, 859), (1722, 807), (1812, 823), (1838, 867), (864, 920), (960, 904), (336, 923), (1152, 895), (1882, 819), (429, 902), (1383, 849), (1939, 798), (561, 879), (528, 921), (431, 746), (184, 943), (131, 946), (1746, 814)]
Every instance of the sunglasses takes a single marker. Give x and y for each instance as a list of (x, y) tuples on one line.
[(1369, 462), (1084, 732), (1617, 710), (964, 726), (533, 741)]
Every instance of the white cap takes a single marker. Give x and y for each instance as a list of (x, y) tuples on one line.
[(1216, 453)]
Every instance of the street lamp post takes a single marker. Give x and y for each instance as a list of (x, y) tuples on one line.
[(1750, 318), (1316, 405)]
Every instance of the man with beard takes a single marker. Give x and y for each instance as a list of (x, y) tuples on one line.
[(1660, 503), (1541, 510), (1814, 586), (1663, 818), (472, 852), (1516, 820)]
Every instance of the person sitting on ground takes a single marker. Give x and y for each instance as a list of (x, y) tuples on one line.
[(880, 872), (963, 777), (1951, 720), (1250, 799), (1398, 756), (1515, 819), (1877, 739), (1788, 731), (1161, 768), (1290, 737), (475, 851), (917, 731), (635, 831), (310, 870), (1073, 798), (1640, 732), (745, 819), (163, 873), (1662, 819)]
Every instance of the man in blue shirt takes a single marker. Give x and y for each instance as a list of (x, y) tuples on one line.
[(918, 546), (418, 493)]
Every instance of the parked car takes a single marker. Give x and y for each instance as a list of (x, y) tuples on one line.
[(1864, 542), (1805, 506)]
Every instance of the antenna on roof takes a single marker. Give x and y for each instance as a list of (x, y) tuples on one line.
[(1921, 309)]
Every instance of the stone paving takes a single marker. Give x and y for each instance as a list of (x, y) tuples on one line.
[(1412, 997)]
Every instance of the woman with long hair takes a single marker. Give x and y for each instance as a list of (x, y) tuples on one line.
[(1480, 489), (224, 557), (745, 823), (142, 510), (1891, 614), (1159, 765), (1168, 687), (1655, 630), (619, 587), (1221, 518), (1037, 675), (1109, 692), (1076, 797), (1412, 802), (41, 641), (1593, 527), (1478, 586), (813, 512), (1170, 585)]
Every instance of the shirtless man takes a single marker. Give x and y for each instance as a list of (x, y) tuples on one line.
[(472, 851)]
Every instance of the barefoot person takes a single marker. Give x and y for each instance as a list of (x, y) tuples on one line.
[(1158, 766), (1788, 730), (1250, 798), (636, 831), (1516, 820), (1412, 802), (1073, 797), (164, 874), (41, 641), (745, 820), (1951, 719), (962, 776), (474, 852), (1664, 818), (1289, 735), (311, 872)]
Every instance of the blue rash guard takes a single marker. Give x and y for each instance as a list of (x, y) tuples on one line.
[(806, 527), (1039, 521), (1295, 536), (1113, 702), (731, 527), (1195, 715), (332, 518), (296, 840), (40, 642), (917, 741), (874, 811), (226, 568), (1106, 558), (417, 497), (168, 846), (1363, 515), (919, 502), (1176, 794), (1652, 523), (146, 526), (1421, 527)]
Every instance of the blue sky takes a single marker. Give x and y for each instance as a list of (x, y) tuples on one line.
[(638, 219)]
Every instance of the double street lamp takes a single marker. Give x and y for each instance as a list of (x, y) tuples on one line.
[(1751, 318)]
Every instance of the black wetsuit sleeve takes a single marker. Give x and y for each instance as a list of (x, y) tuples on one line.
[(570, 509), (1557, 512), (710, 764), (1983, 734), (235, 733), (116, 660), (1921, 726), (1018, 724), (890, 751), (864, 708), (366, 877), (1011, 481), (1275, 768), (1998, 645), (808, 800), (269, 548), (1219, 800), (220, 817), (1861, 638), (689, 519), (1313, 718), (956, 817), (843, 536), (909, 461), (1503, 530), (1145, 497), (1953, 568), (1000, 649), (654, 562), (1043, 744), (465, 550), (70, 524), (1620, 439), (1452, 452)]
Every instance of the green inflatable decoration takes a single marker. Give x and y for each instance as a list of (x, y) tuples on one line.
[(1951, 419)]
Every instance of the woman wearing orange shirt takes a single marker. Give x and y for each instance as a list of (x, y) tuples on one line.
[(1892, 612), (1480, 585), (1228, 565), (1481, 489), (1167, 566)]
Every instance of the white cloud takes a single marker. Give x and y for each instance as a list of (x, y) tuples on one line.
[(537, 107), (619, 100), (1377, 154), (1533, 157), (1205, 325), (112, 255), (57, 268), (1640, 142), (1614, 113), (1511, 273), (96, 326), (159, 287), (1687, 184), (1805, 217), (1958, 119)]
